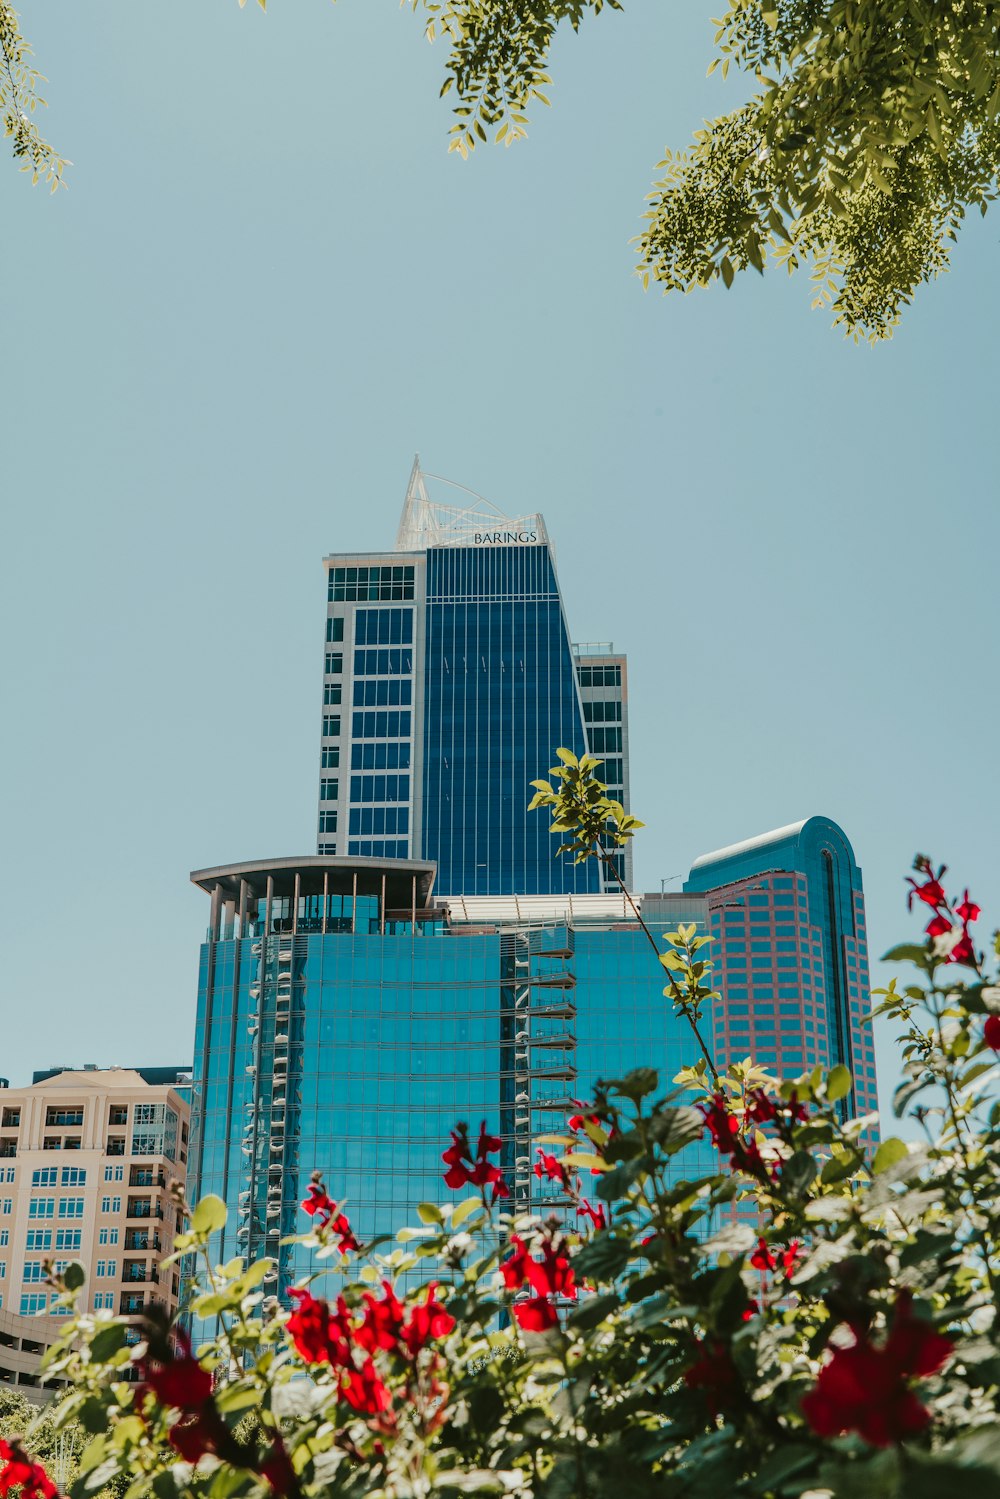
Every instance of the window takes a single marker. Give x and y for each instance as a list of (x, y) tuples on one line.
[(8, 1207), (331, 756), (391, 725), (8, 1147), (599, 676), (380, 820), (387, 663), (383, 626), (115, 1145), (68, 1238), (102, 1236), (42, 1207), (38, 1239), (326, 850), (52, 1142), (379, 692), (71, 1207), (378, 848), (380, 756), (33, 1302), (3, 1269), (4, 1237), (111, 1204), (10, 1173), (328, 791), (332, 693), (107, 1269), (354, 584), (328, 822), (10, 1118), (388, 788), (334, 663), (73, 1176), (118, 1113), (603, 741), (602, 712), (331, 725), (32, 1273), (335, 628), (64, 1116)]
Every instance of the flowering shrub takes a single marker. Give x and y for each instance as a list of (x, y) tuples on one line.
[(814, 1317)]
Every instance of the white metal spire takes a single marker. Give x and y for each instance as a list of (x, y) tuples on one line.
[(427, 523)]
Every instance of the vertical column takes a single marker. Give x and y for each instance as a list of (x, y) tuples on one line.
[(243, 908), (268, 898), (381, 911), (354, 902), (296, 889), (326, 898)]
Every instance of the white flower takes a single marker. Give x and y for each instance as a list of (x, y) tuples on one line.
[(945, 944)]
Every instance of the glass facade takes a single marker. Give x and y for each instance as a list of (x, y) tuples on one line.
[(345, 1023), (454, 663), (500, 697), (791, 953)]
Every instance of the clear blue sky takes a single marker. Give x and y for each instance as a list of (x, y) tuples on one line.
[(267, 287)]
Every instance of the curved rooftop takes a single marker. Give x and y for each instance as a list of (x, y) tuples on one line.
[(750, 845), (782, 848)]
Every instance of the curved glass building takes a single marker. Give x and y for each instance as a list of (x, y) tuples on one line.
[(787, 910)]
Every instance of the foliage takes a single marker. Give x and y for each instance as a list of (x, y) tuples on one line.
[(812, 1317), (19, 98), (873, 126)]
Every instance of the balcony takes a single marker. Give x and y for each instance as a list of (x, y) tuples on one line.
[(141, 1207), (145, 1176), (136, 1272), (140, 1239), (8, 1147), (115, 1145), (131, 1303)]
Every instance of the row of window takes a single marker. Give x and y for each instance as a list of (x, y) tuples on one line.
[(383, 627), (605, 741), (380, 756), (380, 820), (329, 790), (387, 788), (382, 725), (387, 663), (67, 1176), (45, 1207), (602, 712), (335, 628), (379, 691), (351, 584), (41, 1238), (378, 849), (599, 676), (331, 725)]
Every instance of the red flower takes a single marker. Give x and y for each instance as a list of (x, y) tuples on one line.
[(383, 1320), (535, 1315), (937, 926), (319, 1335), (428, 1319), (463, 1170), (713, 1372), (180, 1382), (968, 910), (597, 1215), (762, 1258), (553, 1274), (864, 1388), (932, 894), (193, 1437), (722, 1125), (991, 1032), (321, 1206), (963, 951), (551, 1169), (791, 1256), (512, 1268), (364, 1389), (17, 1471), (750, 1311)]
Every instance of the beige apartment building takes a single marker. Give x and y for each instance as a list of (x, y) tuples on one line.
[(86, 1158)]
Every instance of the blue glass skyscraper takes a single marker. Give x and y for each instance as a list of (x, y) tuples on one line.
[(347, 1019), (450, 679)]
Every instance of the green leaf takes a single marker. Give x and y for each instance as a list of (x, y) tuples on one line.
[(635, 1084), (906, 952), (465, 1210), (106, 1342), (209, 1216), (888, 1153), (592, 1311), (74, 1276), (799, 1171), (429, 1212), (838, 1084)]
